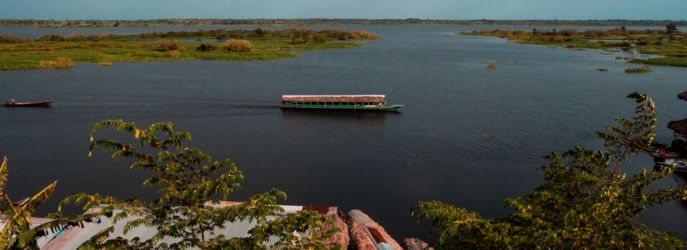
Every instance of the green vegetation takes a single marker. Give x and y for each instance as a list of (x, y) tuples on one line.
[(637, 70), (58, 63), (187, 180), (18, 231), (265, 45), (586, 201), (11, 39), (670, 44), (237, 45)]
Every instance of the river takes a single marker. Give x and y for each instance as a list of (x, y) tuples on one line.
[(467, 135)]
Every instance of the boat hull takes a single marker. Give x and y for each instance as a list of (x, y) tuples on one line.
[(357, 108), (43, 104)]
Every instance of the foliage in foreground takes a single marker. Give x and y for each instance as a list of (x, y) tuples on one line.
[(187, 179), (585, 202), (17, 232)]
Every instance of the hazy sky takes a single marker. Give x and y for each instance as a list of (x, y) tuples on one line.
[(430, 9)]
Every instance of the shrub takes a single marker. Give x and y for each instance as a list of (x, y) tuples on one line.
[(58, 63), (174, 53), (170, 45), (259, 33), (205, 47), (51, 38), (568, 32), (11, 39), (238, 45), (76, 37)]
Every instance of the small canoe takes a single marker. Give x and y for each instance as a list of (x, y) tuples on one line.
[(661, 151), (47, 103)]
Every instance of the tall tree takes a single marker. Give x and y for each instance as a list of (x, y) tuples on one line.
[(585, 202), (187, 180)]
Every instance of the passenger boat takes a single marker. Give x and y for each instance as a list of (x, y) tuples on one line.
[(12, 103), (338, 102)]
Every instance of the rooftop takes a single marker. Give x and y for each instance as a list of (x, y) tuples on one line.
[(334, 98), (679, 127)]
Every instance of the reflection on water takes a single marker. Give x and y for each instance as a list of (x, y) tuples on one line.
[(323, 117)]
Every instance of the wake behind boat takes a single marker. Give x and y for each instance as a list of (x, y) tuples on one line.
[(338, 102), (12, 103)]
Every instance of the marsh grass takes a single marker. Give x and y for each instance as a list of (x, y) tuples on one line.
[(170, 45), (105, 63), (58, 63), (158, 47), (672, 47), (238, 45), (11, 39)]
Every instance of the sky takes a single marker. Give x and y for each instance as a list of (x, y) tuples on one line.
[(371, 9)]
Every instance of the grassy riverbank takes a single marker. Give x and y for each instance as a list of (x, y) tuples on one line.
[(18, 54), (670, 46)]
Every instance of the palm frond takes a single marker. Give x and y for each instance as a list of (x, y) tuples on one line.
[(37, 199), (3, 178)]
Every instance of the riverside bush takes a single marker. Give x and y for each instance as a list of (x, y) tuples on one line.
[(170, 45), (58, 63), (238, 45), (11, 39)]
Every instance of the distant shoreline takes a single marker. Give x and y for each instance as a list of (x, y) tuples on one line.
[(318, 21)]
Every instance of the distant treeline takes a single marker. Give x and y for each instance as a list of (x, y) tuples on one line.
[(296, 36), (317, 21)]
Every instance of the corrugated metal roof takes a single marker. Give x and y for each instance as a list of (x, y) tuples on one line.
[(334, 98), (679, 127)]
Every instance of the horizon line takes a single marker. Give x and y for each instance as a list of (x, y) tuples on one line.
[(347, 19)]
